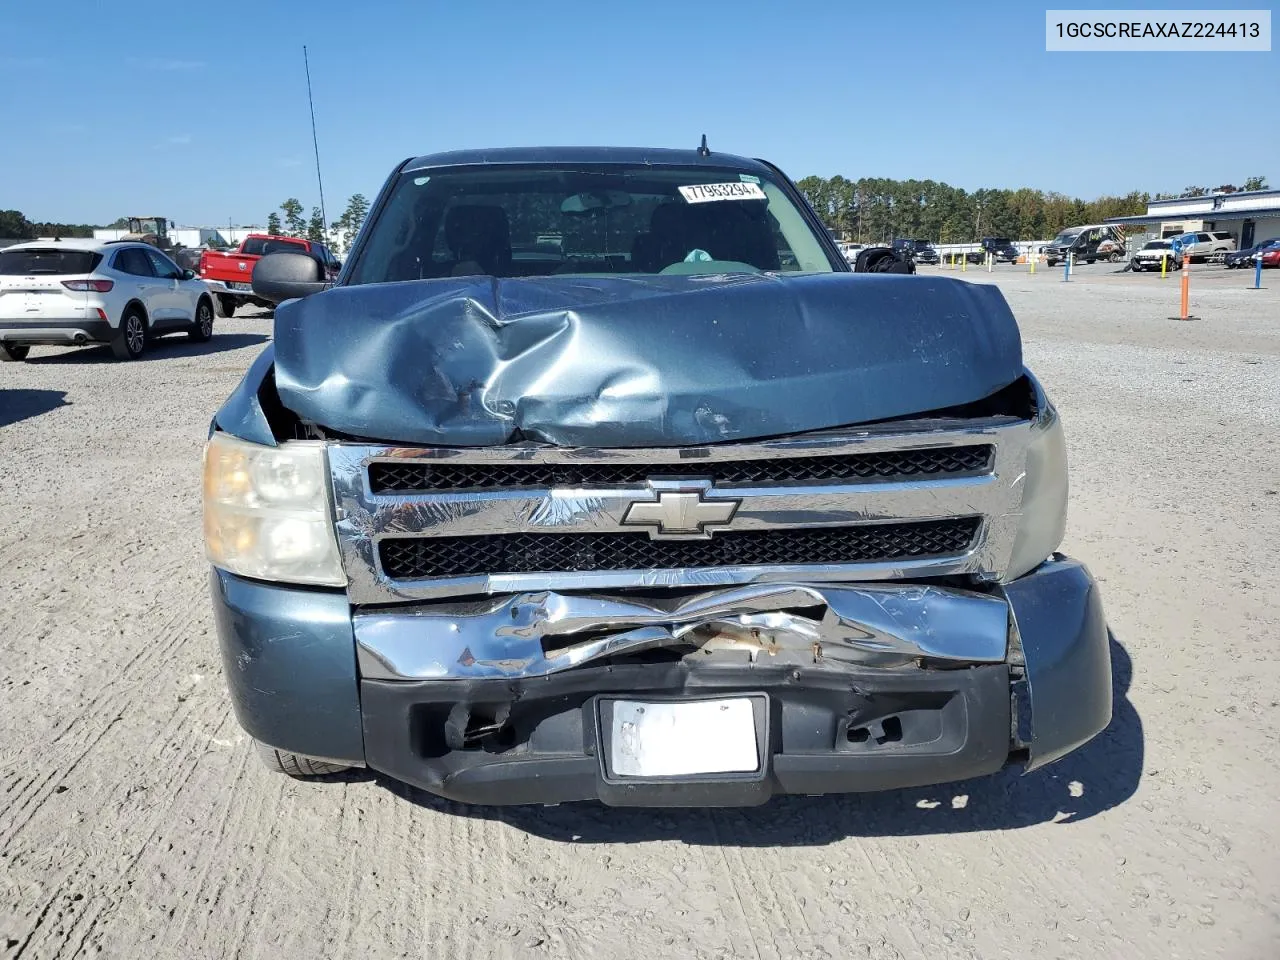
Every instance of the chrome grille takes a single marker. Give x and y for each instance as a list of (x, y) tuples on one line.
[(423, 475), (925, 498), (414, 558)]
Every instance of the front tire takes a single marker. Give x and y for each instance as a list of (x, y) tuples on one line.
[(130, 340), (202, 330), (14, 352), (294, 765)]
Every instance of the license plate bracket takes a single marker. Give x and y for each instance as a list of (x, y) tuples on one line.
[(683, 739)]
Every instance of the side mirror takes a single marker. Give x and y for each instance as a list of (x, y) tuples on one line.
[(188, 274), (286, 276)]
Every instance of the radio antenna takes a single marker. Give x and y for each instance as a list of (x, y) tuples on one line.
[(324, 229)]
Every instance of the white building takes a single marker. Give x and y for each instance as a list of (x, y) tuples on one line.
[(1251, 217)]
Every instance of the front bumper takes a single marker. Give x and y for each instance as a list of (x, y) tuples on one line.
[(56, 332), (824, 725)]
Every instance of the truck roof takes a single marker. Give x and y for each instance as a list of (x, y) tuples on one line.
[(634, 156)]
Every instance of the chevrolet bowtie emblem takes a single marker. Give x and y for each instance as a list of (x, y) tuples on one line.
[(679, 510)]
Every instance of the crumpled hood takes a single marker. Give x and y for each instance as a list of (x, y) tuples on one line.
[(638, 361)]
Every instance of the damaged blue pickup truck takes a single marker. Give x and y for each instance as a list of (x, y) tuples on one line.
[(598, 475)]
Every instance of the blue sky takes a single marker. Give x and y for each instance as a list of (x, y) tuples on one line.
[(198, 111)]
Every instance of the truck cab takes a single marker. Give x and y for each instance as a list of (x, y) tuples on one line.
[(152, 230), (1001, 249), (919, 251)]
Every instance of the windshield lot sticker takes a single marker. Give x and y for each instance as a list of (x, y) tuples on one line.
[(707, 192)]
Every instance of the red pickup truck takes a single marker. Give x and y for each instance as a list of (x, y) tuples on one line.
[(230, 275)]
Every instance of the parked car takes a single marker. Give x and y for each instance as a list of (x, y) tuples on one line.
[(1001, 250), (1202, 246), (77, 292), (850, 251), (188, 258), (920, 251), (1088, 243), (1152, 253), (1244, 258), (1270, 256), (230, 274)]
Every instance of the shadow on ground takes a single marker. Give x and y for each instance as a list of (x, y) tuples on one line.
[(16, 405), (161, 348), (1100, 775)]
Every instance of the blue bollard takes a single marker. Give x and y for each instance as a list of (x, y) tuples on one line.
[(1066, 269), (1257, 270)]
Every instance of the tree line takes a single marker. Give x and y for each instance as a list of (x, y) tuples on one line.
[(1250, 183), (294, 224), (878, 209), (869, 210), (15, 226)]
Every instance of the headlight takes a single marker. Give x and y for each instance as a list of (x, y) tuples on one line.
[(266, 512), (1044, 494)]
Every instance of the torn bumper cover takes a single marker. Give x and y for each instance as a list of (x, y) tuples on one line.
[(518, 699)]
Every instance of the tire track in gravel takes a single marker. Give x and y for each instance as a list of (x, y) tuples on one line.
[(101, 903), (725, 879), (104, 708), (345, 930), (211, 844), (235, 943)]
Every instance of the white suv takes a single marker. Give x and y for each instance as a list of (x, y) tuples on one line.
[(73, 292)]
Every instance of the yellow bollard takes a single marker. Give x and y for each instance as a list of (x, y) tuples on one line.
[(1164, 265), (1033, 258), (964, 263)]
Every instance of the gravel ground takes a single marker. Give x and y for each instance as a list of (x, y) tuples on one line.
[(137, 823)]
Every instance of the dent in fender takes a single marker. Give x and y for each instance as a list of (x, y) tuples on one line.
[(242, 414)]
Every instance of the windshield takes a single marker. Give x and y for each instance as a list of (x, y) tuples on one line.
[(1002, 241), (1066, 237), (33, 261), (1157, 245), (257, 246), (536, 220)]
